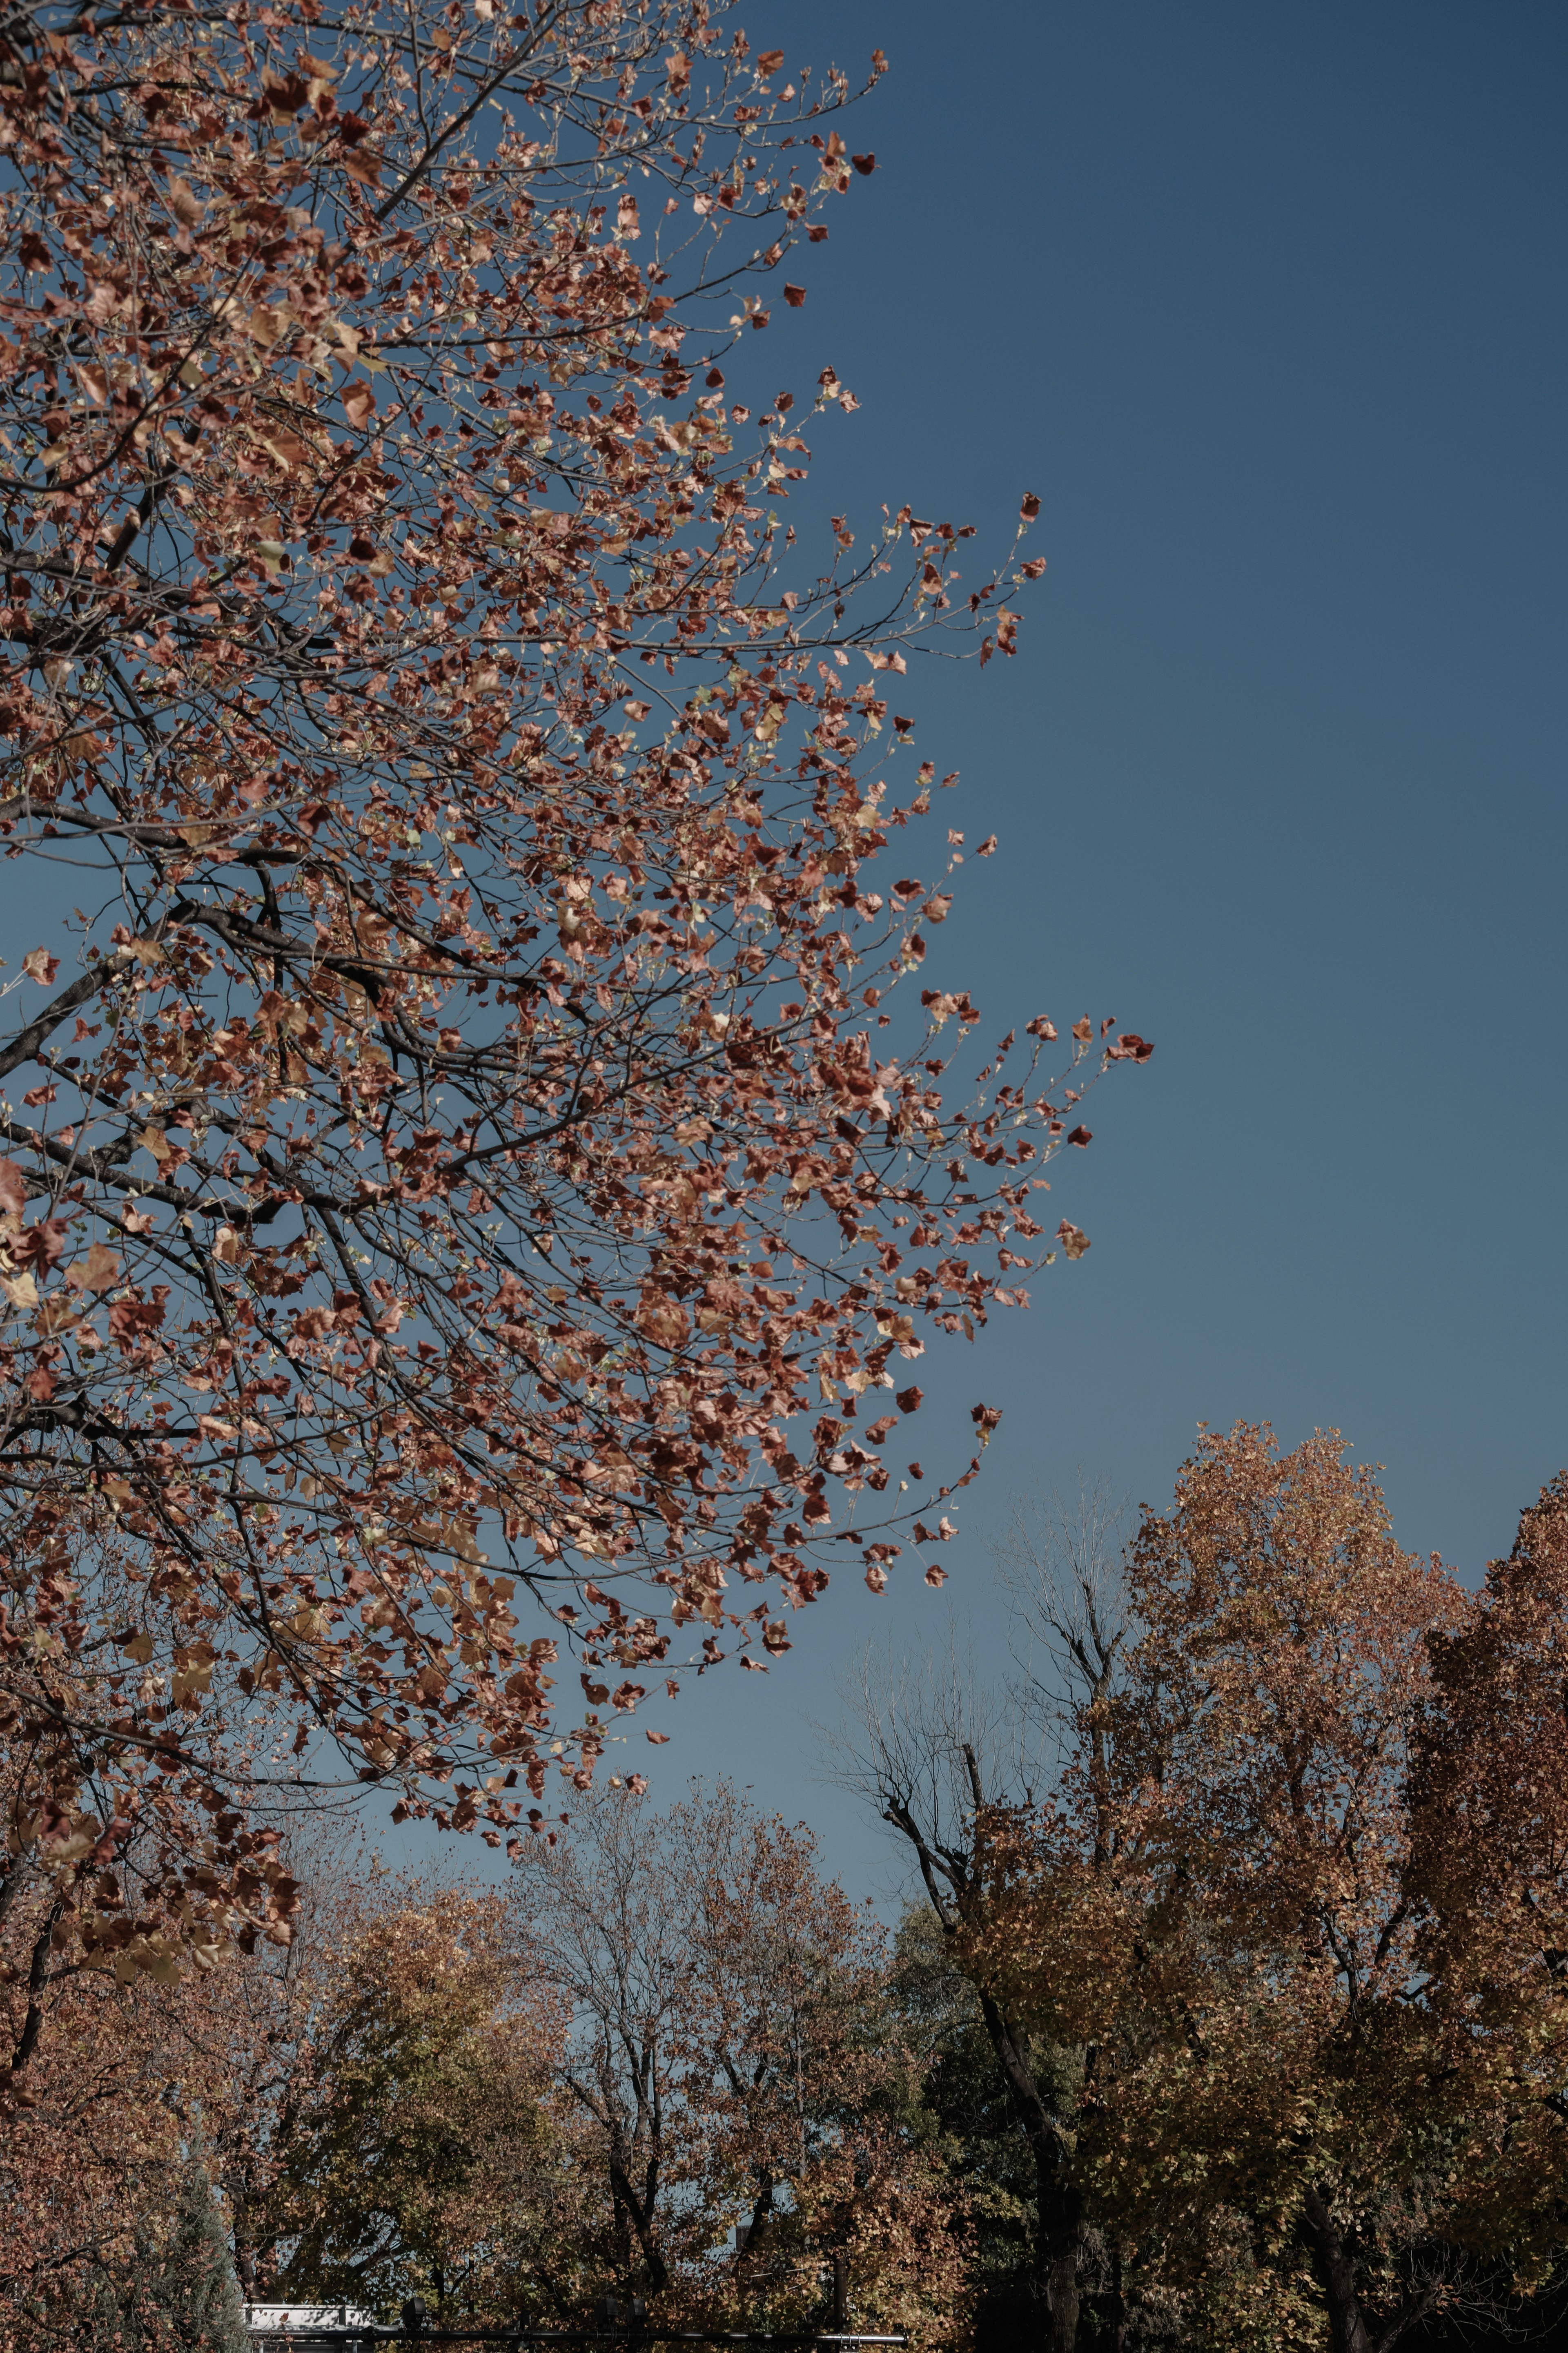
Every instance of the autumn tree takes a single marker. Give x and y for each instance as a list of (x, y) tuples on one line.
[(734, 2059), (1254, 1884), (1489, 1869), (357, 2113), (109, 2230), (245, 2029), (1228, 1908), (615, 1916), (962, 2099), (410, 2150), (932, 1751), (812, 2076), (464, 1118)]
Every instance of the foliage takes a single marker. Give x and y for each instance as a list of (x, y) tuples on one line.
[(1491, 1872), (178, 2297), (466, 1121), (105, 2222), (737, 2064), (961, 2096), (368, 2099), (1294, 2111), (411, 2144), (1274, 1979)]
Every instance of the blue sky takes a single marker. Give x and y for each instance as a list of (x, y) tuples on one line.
[(1265, 303)]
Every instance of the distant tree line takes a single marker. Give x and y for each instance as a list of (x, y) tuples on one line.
[(1227, 2010)]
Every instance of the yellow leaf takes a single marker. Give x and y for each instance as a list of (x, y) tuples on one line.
[(189, 1682), (153, 1956)]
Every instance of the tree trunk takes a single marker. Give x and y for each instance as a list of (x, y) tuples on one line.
[(1058, 2231), (32, 2025), (1060, 2246), (1118, 2303), (1063, 2293), (244, 2251), (1335, 2271), (639, 2212)]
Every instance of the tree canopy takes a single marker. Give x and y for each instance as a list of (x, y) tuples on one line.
[(1315, 2012), (463, 1130)]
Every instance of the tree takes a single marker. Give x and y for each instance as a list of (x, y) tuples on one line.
[(412, 2150), (465, 1125), (933, 1753), (178, 2297), (810, 2080), (963, 2096), (1228, 1907), (204, 2305), (107, 2222), (736, 2063), (1491, 1872), (246, 2030), (614, 1917)]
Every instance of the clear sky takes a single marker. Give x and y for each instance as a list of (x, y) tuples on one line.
[(1265, 303)]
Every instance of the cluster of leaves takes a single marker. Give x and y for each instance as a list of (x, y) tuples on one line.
[(410, 2150), (110, 2230), (178, 2293), (1296, 1908), (468, 1123), (737, 2063)]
